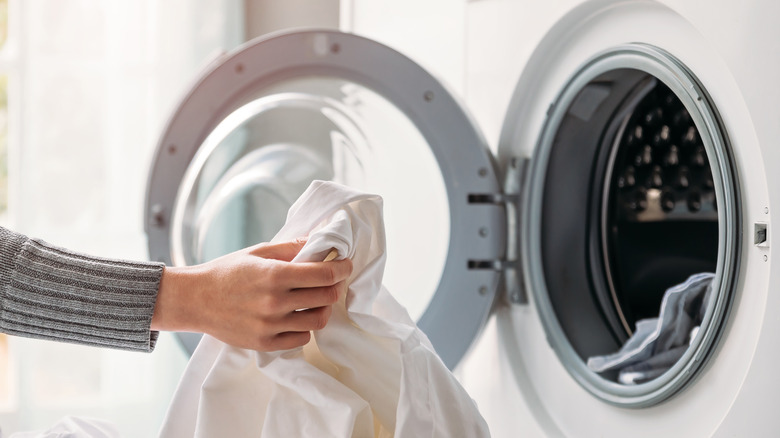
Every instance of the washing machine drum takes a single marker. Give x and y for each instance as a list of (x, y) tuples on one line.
[(628, 191), (631, 191)]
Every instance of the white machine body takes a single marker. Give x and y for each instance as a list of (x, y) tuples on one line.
[(732, 48)]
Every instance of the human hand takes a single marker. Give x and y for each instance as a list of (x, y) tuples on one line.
[(253, 298)]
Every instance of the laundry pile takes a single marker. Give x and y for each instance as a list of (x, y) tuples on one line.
[(369, 373), (657, 343)]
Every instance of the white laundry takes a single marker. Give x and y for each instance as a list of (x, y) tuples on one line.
[(657, 343), (73, 427), (369, 373)]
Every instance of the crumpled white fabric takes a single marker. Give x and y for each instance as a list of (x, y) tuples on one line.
[(369, 373), (657, 343), (73, 427)]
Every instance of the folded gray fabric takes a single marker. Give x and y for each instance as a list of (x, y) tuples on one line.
[(659, 342)]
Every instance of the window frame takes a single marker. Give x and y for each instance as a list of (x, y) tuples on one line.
[(11, 66), (11, 63)]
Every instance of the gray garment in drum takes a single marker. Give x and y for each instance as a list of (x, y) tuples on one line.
[(53, 293), (659, 342)]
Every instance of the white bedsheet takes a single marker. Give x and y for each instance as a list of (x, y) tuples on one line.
[(369, 373), (73, 427)]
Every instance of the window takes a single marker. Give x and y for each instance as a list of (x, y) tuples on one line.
[(89, 85), (7, 64), (3, 137), (6, 387), (3, 112)]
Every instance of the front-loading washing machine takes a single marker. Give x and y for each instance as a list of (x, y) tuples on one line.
[(635, 151)]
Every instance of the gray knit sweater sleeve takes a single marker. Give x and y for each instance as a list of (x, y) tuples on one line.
[(52, 293)]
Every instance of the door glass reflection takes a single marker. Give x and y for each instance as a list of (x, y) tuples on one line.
[(261, 158)]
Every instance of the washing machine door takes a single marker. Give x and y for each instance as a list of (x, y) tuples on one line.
[(266, 120)]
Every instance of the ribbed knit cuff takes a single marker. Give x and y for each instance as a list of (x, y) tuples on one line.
[(57, 294)]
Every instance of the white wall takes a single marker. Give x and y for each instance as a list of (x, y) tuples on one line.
[(265, 16), (431, 32)]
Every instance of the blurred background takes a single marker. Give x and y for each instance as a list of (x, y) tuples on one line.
[(86, 87)]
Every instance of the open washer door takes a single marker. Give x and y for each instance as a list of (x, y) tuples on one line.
[(281, 111)]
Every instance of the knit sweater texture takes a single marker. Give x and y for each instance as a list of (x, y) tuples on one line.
[(52, 293)]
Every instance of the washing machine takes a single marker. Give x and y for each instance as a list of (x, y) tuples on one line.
[(635, 150)]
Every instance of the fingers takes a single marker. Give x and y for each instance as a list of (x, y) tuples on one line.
[(314, 297), (307, 274), (306, 320), (294, 327), (298, 326), (284, 251), (317, 274), (288, 340)]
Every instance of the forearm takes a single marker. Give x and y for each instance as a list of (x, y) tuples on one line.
[(52, 293)]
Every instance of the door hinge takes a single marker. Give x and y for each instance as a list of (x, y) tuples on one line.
[(511, 287)]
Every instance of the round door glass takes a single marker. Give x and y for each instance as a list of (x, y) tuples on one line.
[(254, 165)]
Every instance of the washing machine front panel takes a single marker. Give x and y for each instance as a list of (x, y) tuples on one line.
[(280, 112), (547, 358)]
